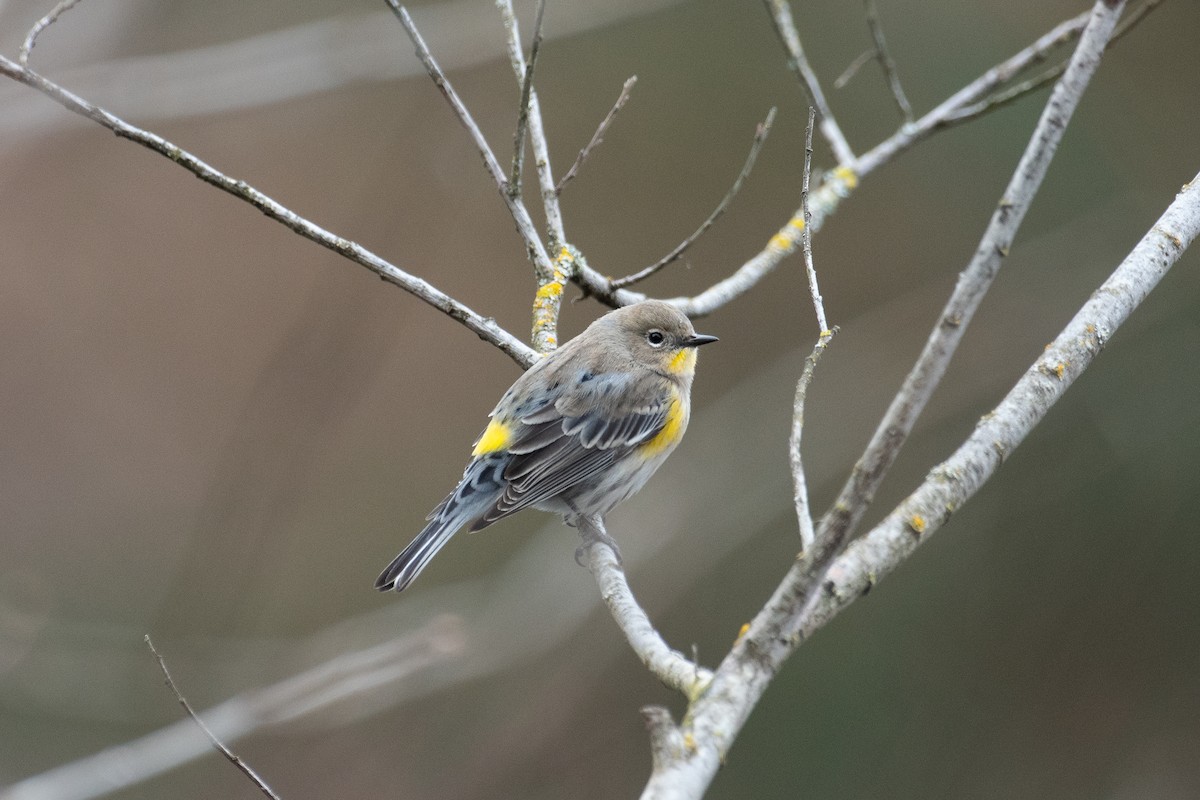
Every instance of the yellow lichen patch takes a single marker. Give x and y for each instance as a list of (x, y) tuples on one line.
[(683, 362), (781, 243), (494, 438), (550, 290), (742, 632), (1060, 369), (671, 431), (689, 742), (847, 176), (917, 523), (797, 223)]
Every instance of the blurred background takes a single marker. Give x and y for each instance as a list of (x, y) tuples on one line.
[(217, 433)]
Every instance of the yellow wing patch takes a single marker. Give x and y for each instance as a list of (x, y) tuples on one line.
[(495, 437), (672, 429)]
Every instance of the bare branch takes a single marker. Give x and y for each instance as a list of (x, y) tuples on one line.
[(1002, 430), (799, 478), (781, 16), (598, 136), (885, 61), (974, 281), (852, 70), (348, 678), (806, 233), (789, 619), (525, 227), (537, 137), (245, 768), (514, 182), (484, 327), (670, 666), (1031, 85), (841, 181), (39, 26), (760, 136)]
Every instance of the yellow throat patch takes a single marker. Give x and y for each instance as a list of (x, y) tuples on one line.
[(683, 362)]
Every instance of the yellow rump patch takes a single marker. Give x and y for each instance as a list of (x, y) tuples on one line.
[(672, 430), (494, 438)]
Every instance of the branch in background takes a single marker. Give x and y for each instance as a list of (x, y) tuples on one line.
[(598, 136), (840, 182), (713, 721), (39, 26), (806, 232), (799, 480), (537, 137), (514, 182), (245, 768), (327, 686), (760, 136), (484, 327), (885, 61), (520, 214), (781, 16), (856, 495), (1018, 91), (784, 624), (1002, 430), (670, 666)]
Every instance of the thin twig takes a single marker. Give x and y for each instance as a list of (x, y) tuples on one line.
[(799, 478), (520, 214), (839, 522), (670, 666), (840, 182), (852, 70), (39, 26), (1019, 90), (484, 327), (886, 62), (537, 138), (598, 136), (246, 769), (806, 234), (785, 26), (514, 182), (760, 136)]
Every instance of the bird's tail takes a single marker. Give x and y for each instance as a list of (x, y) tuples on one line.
[(479, 489)]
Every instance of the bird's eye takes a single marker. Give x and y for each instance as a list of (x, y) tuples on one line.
[(655, 338)]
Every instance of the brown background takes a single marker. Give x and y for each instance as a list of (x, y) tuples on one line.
[(217, 433)]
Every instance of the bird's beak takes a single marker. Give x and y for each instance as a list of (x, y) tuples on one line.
[(697, 339)]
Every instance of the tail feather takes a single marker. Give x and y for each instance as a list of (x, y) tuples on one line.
[(408, 565), (478, 491)]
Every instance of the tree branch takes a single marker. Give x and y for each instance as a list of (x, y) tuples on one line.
[(514, 182), (760, 137), (537, 136), (781, 17), (789, 618), (485, 328), (229, 755), (598, 136), (675, 670), (974, 281), (525, 227)]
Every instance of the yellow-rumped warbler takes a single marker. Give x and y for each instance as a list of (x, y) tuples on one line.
[(579, 432)]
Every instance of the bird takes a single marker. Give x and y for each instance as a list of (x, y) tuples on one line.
[(578, 433)]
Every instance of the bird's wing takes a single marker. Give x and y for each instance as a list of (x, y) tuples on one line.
[(580, 434)]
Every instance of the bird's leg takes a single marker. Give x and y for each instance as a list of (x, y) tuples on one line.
[(592, 531)]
